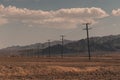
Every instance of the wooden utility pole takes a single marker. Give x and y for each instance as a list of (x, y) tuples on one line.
[(42, 49), (88, 41), (62, 47), (49, 46)]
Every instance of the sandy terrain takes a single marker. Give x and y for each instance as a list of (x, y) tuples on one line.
[(68, 68)]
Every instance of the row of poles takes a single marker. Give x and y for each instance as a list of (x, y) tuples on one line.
[(62, 42), (62, 47)]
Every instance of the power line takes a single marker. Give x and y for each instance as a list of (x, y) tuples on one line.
[(71, 32)]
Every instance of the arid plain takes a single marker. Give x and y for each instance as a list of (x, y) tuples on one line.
[(105, 67)]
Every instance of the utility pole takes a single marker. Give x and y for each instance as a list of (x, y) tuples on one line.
[(42, 49), (28, 53), (32, 52), (49, 46), (62, 47), (88, 42), (38, 53)]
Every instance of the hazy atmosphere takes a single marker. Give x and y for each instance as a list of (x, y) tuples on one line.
[(59, 39), (24, 22)]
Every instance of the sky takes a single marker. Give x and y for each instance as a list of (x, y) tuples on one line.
[(24, 22)]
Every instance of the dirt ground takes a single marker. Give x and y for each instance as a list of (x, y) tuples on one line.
[(56, 68)]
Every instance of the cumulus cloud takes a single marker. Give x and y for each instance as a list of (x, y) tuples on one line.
[(62, 18), (116, 12)]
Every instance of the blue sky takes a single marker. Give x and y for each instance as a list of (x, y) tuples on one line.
[(57, 4), (48, 19)]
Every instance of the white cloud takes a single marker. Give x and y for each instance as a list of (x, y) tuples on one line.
[(62, 18), (116, 12), (2, 20)]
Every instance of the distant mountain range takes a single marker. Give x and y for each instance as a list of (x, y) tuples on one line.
[(106, 43), (17, 50), (97, 44)]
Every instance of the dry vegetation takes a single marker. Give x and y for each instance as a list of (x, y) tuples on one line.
[(68, 68)]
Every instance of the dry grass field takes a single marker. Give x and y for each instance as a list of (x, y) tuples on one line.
[(55, 68)]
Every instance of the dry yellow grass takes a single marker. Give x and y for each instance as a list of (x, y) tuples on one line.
[(68, 68)]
